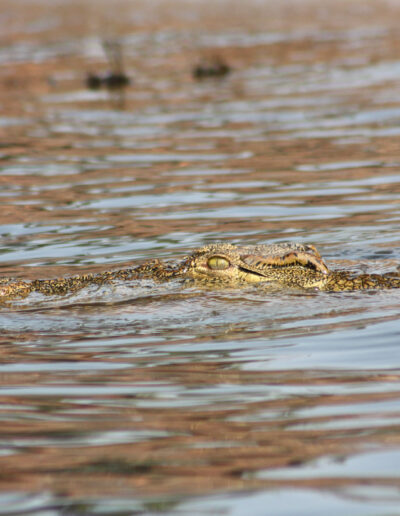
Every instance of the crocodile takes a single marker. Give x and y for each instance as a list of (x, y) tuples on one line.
[(282, 265)]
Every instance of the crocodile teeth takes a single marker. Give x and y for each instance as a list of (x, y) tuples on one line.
[(283, 260)]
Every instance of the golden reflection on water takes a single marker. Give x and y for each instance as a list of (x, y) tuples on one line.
[(158, 393)]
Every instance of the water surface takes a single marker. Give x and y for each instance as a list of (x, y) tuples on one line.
[(142, 398)]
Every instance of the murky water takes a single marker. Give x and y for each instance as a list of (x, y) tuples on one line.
[(136, 398)]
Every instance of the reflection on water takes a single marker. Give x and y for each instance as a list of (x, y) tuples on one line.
[(145, 398)]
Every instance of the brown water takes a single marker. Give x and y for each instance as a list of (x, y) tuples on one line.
[(143, 399)]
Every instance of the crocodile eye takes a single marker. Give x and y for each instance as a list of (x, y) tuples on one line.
[(218, 263)]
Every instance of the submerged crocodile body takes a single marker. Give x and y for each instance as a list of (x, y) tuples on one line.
[(289, 265)]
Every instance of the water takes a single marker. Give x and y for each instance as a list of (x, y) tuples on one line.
[(142, 398)]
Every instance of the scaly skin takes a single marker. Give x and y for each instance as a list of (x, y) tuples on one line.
[(218, 265)]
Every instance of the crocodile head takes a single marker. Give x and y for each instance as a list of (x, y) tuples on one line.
[(289, 264)]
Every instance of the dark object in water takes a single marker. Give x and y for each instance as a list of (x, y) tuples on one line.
[(114, 79), (213, 68), (108, 80)]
